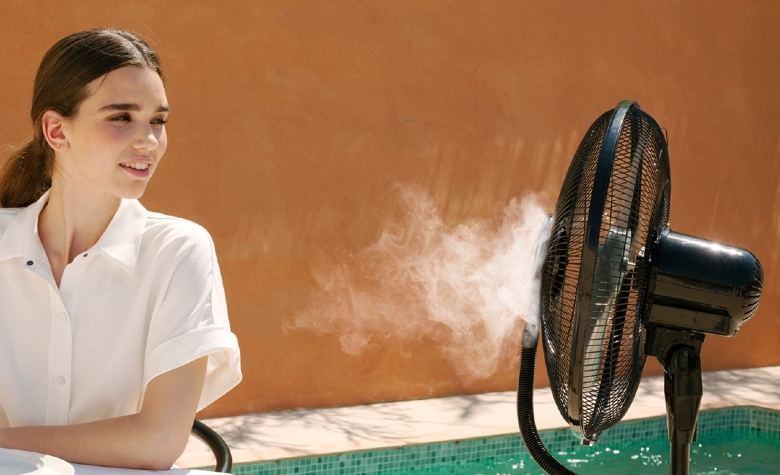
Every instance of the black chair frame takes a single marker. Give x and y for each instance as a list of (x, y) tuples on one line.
[(217, 445)]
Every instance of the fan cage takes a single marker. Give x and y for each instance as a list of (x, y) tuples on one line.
[(600, 296)]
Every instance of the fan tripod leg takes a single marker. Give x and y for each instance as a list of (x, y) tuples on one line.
[(678, 353)]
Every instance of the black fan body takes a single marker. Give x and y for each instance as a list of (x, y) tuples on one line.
[(617, 285)]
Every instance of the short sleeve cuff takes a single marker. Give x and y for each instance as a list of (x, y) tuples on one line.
[(223, 372)]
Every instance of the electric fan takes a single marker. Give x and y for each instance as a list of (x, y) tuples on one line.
[(615, 285)]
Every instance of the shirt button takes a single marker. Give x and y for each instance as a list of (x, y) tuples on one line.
[(63, 316), (60, 380), (29, 263)]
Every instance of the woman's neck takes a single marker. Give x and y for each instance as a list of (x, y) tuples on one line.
[(70, 224)]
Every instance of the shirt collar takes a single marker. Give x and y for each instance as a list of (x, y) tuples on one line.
[(22, 231), (120, 242)]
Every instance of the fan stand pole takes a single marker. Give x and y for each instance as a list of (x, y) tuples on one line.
[(678, 352)]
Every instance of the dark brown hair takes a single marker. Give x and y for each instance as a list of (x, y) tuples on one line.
[(60, 85)]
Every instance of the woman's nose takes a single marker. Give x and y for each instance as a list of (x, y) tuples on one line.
[(148, 138)]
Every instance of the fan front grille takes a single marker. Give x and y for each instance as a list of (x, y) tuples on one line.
[(594, 279)]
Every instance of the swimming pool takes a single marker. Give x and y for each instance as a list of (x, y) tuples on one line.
[(644, 440)]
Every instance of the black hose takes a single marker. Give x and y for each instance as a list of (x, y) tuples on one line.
[(525, 416)]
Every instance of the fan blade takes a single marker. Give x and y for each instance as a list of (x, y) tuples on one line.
[(611, 268)]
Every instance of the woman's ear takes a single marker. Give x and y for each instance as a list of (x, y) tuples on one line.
[(53, 124)]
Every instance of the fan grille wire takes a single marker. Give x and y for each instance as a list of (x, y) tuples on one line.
[(636, 208)]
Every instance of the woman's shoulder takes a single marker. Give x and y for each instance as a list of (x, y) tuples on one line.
[(173, 242), (172, 230), (156, 220)]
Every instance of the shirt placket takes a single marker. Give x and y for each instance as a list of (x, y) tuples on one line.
[(61, 371), (60, 362)]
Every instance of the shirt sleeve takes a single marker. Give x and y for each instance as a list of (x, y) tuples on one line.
[(191, 320)]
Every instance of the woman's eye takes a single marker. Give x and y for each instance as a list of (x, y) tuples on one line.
[(159, 121), (120, 118)]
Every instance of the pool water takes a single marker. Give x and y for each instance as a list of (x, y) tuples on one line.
[(735, 440), (713, 454)]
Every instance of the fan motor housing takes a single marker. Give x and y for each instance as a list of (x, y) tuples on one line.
[(702, 286)]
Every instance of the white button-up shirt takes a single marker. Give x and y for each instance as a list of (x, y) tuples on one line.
[(145, 299)]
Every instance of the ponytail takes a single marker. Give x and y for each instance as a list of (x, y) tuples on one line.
[(27, 173)]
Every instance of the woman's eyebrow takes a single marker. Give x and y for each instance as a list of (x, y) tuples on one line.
[(131, 108)]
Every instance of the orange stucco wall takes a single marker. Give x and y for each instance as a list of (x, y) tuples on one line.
[(293, 121)]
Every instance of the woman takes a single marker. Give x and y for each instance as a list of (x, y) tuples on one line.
[(113, 323)]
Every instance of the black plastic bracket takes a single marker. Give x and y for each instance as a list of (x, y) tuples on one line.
[(678, 352)]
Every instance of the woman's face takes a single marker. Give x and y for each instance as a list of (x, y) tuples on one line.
[(117, 136)]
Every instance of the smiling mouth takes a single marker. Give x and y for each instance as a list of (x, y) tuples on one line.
[(135, 166)]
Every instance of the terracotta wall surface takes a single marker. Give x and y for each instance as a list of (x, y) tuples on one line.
[(295, 122)]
